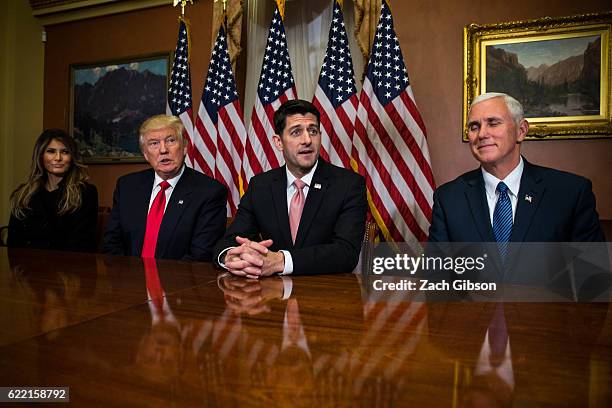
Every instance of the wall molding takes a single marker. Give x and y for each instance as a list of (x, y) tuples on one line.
[(51, 12)]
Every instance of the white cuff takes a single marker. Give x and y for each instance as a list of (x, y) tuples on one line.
[(222, 256), (288, 269)]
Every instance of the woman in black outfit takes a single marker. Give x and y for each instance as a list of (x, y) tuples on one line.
[(55, 208)]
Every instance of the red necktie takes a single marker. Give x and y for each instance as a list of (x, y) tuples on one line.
[(154, 287), (154, 219), (296, 207)]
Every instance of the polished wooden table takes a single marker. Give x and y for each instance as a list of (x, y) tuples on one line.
[(122, 333)]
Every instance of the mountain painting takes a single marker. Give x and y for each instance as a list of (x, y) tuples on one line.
[(551, 78), (111, 101)]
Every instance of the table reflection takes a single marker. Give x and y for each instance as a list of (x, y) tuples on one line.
[(43, 296), (518, 353), (361, 358), (46, 291), (122, 331)]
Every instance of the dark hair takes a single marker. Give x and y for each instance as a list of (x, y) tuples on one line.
[(73, 180), (293, 107)]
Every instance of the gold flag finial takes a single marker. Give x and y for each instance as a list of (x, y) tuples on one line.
[(224, 4), (183, 4), (281, 8)]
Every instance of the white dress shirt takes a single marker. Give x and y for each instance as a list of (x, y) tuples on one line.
[(173, 182), (291, 189), (512, 180)]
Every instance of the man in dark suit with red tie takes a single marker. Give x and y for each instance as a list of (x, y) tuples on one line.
[(169, 211), (305, 217)]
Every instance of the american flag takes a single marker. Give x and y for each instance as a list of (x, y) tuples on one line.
[(336, 95), (219, 122), (179, 91), (390, 142), (276, 85)]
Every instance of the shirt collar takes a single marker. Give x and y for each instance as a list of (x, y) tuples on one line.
[(306, 178), (512, 180), (173, 181)]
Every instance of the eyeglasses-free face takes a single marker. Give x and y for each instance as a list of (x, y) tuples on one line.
[(164, 152), (300, 143), (57, 158)]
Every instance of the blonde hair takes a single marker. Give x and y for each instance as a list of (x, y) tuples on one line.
[(161, 122), (73, 180)]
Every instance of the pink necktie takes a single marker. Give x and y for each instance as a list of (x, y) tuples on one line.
[(296, 207), (154, 219)]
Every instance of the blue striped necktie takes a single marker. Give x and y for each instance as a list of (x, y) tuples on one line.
[(502, 220)]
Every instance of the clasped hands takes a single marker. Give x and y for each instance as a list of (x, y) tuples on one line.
[(253, 259), (250, 296)]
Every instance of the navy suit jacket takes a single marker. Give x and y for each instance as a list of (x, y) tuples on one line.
[(553, 206), (331, 228), (194, 219)]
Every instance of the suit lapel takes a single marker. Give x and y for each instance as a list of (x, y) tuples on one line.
[(529, 198), (143, 197), (279, 197), (477, 200), (316, 191), (179, 201)]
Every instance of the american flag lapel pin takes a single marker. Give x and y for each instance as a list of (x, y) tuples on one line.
[(528, 198), (317, 186)]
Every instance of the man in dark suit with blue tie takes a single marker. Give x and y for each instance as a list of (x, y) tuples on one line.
[(509, 199), (169, 211), (305, 217)]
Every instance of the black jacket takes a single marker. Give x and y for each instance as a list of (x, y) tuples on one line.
[(43, 228)]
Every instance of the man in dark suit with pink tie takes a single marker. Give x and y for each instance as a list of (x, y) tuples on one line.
[(305, 217)]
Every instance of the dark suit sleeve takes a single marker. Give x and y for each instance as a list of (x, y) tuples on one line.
[(244, 224), (210, 224), (113, 237), (342, 253), (438, 230), (83, 237), (586, 227)]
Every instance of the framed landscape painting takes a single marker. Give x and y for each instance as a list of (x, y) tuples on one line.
[(558, 68), (110, 100)]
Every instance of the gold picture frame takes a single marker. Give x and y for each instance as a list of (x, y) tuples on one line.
[(566, 92)]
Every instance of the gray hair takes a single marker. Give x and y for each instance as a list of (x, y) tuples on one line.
[(514, 107)]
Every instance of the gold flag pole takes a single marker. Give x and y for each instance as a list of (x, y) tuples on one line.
[(183, 4), (186, 21), (224, 16), (224, 4), (281, 8)]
